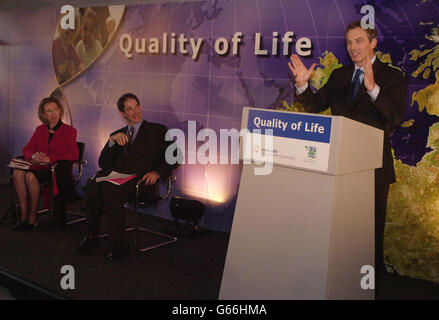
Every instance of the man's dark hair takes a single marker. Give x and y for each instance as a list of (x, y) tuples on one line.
[(371, 33), (125, 97)]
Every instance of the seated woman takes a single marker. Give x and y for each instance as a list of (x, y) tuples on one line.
[(53, 141)]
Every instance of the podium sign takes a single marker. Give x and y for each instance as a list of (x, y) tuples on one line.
[(299, 140)]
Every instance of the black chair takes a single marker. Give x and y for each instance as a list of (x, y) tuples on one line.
[(11, 211), (76, 178), (139, 203)]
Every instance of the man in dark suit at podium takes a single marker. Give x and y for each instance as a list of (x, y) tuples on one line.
[(139, 148), (367, 91)]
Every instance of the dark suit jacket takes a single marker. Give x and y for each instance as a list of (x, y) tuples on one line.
[(145, 154), (62, 146), (387, 110)]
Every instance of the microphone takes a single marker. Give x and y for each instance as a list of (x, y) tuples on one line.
[(282, 93), (286, 83)]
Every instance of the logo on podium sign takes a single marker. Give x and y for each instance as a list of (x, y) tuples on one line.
[(311, 152)]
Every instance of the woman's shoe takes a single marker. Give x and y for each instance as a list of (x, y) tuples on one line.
[(34, 224)]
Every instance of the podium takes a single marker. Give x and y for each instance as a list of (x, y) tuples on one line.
[(306, 229)]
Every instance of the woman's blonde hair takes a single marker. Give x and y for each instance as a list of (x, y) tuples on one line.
[(43, 103)]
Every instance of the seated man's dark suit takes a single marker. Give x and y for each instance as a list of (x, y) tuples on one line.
[(145, 154), (387, 110)]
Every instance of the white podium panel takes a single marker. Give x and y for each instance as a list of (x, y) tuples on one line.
[(301, 233), (308, 242)]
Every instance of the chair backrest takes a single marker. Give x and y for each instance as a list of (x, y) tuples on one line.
[(80, 162), (81, 148)]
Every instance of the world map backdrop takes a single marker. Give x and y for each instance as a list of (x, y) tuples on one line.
[(213, 89)]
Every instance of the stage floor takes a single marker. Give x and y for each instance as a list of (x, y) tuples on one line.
[(190, 269)]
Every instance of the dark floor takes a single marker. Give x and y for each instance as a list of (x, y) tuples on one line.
[(189, 269)]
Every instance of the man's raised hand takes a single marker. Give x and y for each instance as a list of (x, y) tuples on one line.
[(300, 72), (369, 81)]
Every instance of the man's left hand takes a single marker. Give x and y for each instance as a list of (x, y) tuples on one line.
[(369, 81), (151, 177)]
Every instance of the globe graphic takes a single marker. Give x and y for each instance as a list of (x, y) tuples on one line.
[(213, 89)]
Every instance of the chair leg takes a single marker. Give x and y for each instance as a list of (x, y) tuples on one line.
[(11, 211), (105, 235), (146, 230), (81, 217), (161, 244), (137, 229)]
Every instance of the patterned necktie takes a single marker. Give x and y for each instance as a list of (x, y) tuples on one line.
[(356, 84), (130, 135)]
